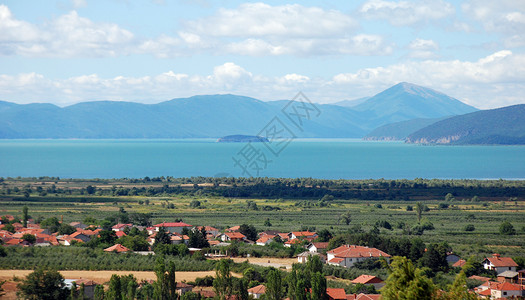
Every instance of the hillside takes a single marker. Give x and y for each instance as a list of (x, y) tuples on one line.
[(213, 116), (505, 126), (399, 130)]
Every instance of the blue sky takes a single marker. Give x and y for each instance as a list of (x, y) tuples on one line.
[(149, 51)]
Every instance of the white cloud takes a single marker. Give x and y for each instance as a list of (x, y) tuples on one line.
[(506, 17), (492, 81), (66, 36), (403, 13), (423, 49), (262, 20)]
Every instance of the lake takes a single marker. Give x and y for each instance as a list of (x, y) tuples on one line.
[(317, 158)]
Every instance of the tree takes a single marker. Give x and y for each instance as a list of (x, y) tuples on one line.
[(449, 197), (162, 237), (267, 222), (115, 288), (319, 286), (459, 289), (99, 292), (66, 229), (435, 257), (9, 227), (274, 285), (346, 218), (29, 238), (43, 284), (195, 204), (90, 190), (223, 283), (324, 235), (506, 228), (420, 207), (407, 282), (291, 282), (25, 215), (2, 291), (249, 231), (165, 288), (51, 224)]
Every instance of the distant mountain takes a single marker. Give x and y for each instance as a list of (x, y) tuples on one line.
[(504, 126), (406, 101), (213, 116), (351, 103), (399, 130)]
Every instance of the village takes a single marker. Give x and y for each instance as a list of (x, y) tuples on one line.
[(509, 282)]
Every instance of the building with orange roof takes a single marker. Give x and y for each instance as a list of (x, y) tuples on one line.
[(173, 227), (317, 247), (257, 291), (336, 294), (460, 263), (369, 279), (234, 229), (117, 248), (302, 234), (348, 255), (363, 297), (289, 243), (232, 236), (120, 234), (499, 264), (265, 240), (497, 290)]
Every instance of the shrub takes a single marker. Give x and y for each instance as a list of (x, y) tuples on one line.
[(469, 227)]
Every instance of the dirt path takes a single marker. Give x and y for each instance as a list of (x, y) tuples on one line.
[(268, 261)]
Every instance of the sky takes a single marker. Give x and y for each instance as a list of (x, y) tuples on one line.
[(69, 51)]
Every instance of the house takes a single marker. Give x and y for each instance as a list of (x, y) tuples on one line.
[(182, 288), (521, 277), (499, 264), (508, 276), (89, 287), (78, 225), (283, 236), (120, 234), (234, 229), (317, 247), (336, 294), (460, 263), (121, 227), (67, 240), (264, 240), (81, 236), (257, 291), (369, 279), (268, 232), (173, 227), (117, 248), (363, 297), (302, 235), (348, 255), (179, 239), (289, 243), (303, 257), (232, 236), (209, 230), (497, 290)]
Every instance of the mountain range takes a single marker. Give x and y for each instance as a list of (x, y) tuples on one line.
[(214, 116), (505, 126)]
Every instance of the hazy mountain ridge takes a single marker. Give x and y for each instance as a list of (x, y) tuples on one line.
[(504, 126), (399, 130), (213, 116)]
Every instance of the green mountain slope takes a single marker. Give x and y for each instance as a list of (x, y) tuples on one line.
[(399, 130), (504, 126)]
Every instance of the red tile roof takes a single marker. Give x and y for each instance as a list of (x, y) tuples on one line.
[(502, 261), (336, 294), (480, 278), (120, 225), (264, 239), (304, 233), (120, 233), (357, 251), (117, 248), (367, 279), (172, 224), (260, 289), (459, 263), (507, 286), (486, 292), (321, 245), (336, 260), (235, 235), (234, 228)]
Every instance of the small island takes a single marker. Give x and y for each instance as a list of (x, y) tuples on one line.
[(239, 138)]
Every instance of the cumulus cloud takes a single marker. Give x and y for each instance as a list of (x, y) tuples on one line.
[(424, 49), (505, 17), (492, 81), (403, 13), (68, 35), (252, 29)]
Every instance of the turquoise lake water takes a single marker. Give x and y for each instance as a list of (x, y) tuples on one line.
[(327, 158)]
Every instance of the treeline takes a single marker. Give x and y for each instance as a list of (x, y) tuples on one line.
[(287, 188)]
